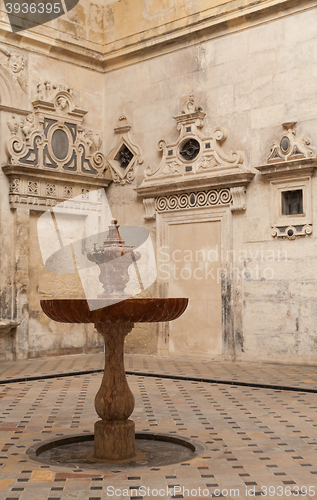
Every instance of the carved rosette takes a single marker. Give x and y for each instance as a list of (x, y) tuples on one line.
[(123, 158)]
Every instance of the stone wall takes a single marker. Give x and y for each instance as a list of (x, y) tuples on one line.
[(251, 67)]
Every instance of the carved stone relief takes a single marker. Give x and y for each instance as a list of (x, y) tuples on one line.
[(289, 168), (51, 155), (123, 158), (13, 78), (197, 162), (193, 200)]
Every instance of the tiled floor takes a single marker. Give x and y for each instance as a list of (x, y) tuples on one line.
[(257, 439)]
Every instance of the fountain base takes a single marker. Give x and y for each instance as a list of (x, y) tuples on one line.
[(114, 440), (151, 450)]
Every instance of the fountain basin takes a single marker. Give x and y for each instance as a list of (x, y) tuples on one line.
[(134, 310)]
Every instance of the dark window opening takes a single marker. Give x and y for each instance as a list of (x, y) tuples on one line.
[(292, 202)]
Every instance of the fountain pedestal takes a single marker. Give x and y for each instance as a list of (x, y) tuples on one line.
[(114, 402)]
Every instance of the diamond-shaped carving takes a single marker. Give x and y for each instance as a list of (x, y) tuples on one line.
[(124, 156)]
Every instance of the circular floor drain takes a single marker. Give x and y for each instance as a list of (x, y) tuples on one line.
[(152, 450)]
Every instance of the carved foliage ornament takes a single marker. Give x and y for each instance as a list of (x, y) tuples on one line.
[(125, 155), (52, 137)]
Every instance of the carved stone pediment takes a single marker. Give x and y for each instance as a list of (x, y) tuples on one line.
[(290, 154), (125, 155), (194, 161), (51, 144)]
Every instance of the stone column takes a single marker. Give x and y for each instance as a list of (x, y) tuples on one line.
[(114, 402)]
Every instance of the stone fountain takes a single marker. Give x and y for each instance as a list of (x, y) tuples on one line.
[(114, 315)]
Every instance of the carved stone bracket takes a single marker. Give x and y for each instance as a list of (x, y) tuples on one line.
[(6, 325), (238, 198), (149, 206), (125, 155), (51, 155)]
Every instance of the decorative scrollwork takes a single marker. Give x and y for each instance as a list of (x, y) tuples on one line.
[(58, 140), (193, 154), (225, 196), (193, 200)]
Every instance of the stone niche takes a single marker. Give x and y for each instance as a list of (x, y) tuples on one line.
[(52, 159), (193, 194)]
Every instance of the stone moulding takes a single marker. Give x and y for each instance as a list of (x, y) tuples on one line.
[(196, 162), (207, 24), (38, 190), (123, 158), (51, 155), (289, 167)]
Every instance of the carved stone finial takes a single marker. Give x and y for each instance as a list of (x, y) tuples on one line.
[(190, 106), (13, 125)]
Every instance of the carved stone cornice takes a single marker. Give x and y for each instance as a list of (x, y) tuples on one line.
[(40, 189), (206, 183), (289, 155), (194, 161), (196, 28)]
